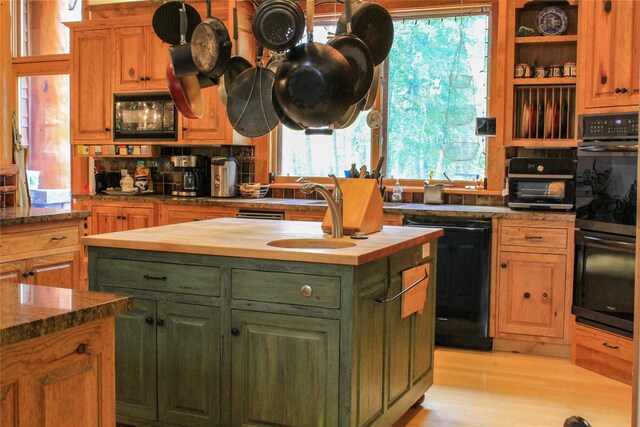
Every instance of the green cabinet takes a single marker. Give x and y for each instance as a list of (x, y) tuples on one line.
[(279, 359), (221, 341)]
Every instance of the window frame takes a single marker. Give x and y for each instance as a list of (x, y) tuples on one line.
[(494, 154)]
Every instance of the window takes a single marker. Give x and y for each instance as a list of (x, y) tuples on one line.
[(41, 29), (435, 89)]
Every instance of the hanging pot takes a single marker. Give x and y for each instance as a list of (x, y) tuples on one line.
[(249, 106), (186, 94), (278, 25), (211, 46), (166, 21), (282, 117), (314, 84), (358, 55), (372, 23), (237, 64), (181, 57), (370, 99)]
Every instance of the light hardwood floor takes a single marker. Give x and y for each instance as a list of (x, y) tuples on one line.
[(496, 389)]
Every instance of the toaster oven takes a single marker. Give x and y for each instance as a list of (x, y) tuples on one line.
[(543, 184)]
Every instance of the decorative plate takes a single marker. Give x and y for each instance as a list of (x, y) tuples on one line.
[(552, 21)]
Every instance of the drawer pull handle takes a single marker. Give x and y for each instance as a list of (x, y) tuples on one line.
[(613, 347), (527, 295), (405, 290), (149, 320), (306, 290), (533, 237), (146, 276), (81, 349), (59, 238)]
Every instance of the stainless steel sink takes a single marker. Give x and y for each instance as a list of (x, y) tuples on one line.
[(311, 243)]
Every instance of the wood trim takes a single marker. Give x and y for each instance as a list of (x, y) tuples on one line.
[(6, 152)]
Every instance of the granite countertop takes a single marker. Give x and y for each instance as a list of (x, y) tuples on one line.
[(17, 215), (440, 211), (247, 238), (30, 311)]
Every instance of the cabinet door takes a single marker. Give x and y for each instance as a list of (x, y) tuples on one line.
[(611, 56), (130, 58), (106, 219), (212, 126), (188, 364), (137, 217), (531, 293), (157, 60), (277, 359), (61, 270), (11, 272), (91, 85), (136, 364)]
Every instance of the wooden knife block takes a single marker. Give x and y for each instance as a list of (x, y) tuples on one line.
[(362, 207)]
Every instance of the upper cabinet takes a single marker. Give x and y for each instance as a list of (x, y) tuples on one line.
[(610, 54), (542, 39), (91, 61), (141, 59)]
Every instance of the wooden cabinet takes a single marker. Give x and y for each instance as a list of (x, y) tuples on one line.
[(43, 254), (141, 59), (610, 54), (176, 214), (213, 126), (602, 352), (116, 216), (65, 378), (91, 65), (533, 280)]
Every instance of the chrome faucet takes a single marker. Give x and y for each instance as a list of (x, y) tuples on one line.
[(333, 200)]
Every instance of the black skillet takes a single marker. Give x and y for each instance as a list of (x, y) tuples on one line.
[(278, 25), (181, 57), (237, 64), (358, 55), (372, 23), (166, 22), (211, 46)]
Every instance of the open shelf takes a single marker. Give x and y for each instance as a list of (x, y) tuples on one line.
[(571, 38), (544, 81), (543, 143)]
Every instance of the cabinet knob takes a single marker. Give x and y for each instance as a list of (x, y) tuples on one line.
[(527, 295), (503, 265), (32, 273), (545, 295), (623, 90), (81, 348), (149, 320), (603, 80), (306, 290), (184, 129), (160, 322), (618, 90), (607, 6), (235, 332), (123, 217), (147, 78), (141, 79), (118, 217), (107, 129), (25, 275)]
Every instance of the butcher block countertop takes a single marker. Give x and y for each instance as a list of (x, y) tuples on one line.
[(30, 311), (247, 238)]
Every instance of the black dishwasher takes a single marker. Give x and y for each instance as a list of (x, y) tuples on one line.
[(463, 281)]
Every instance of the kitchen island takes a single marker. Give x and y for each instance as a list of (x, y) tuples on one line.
[(57, 366), (230, 328)]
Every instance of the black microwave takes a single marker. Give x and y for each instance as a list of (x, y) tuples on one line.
[(545, 184), (144, 117)]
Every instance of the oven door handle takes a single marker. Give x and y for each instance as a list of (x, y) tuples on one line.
[(606, 242), (608, 148)]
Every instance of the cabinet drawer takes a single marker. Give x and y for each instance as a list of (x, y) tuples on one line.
[(535, 237), (286, 288), (603, 352), (164, 277), (39, 240)]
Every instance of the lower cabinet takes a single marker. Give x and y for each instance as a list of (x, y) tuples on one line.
[(165, 351), (110, 217), (295, 358)]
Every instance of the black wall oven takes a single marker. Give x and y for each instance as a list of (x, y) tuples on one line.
[(606, 205)]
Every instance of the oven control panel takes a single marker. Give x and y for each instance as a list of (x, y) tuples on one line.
[(608, 126)]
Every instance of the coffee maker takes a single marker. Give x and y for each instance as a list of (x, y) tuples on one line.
[(191, 176)]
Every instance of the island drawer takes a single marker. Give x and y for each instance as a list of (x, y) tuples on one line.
[(534, 236), (39, 240), (286, 288), (164, 277)]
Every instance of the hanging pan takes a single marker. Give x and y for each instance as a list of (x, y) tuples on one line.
[(314, 84), (278, 25), (166, 21), (237, 64), (249, 106), (282, 117), (358, 55), (181, 58), (211, 46), (186, 94), (372, 23), (370, 99)]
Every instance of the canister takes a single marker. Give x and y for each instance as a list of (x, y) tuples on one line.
[(554, 71), (540, 72), (569, 69), (522, 71)]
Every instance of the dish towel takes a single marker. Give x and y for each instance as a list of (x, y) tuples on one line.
[(20, 156)]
